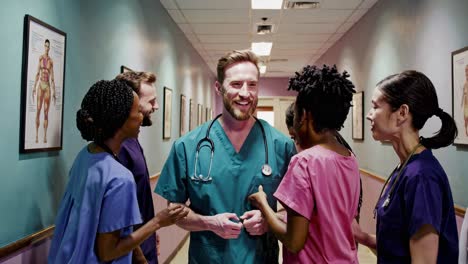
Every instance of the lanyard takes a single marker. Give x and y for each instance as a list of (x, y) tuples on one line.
[(392, 187)]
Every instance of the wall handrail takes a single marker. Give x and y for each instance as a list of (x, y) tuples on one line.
[(459, 211)]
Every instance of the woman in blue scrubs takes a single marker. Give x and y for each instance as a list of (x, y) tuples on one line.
[(99, 208), (415, 213)]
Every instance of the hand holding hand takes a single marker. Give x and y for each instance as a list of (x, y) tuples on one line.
[(171, 214), (224, 227), (254, 223)]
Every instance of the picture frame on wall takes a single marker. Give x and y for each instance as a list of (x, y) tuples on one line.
[(207, 114), (42, 88), (125, 69), (200, 114), (167, 113), (183, 115), (460, 94), (358, 116), (191, 113)]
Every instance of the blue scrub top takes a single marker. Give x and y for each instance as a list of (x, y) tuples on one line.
[(100, 198), (421, 196), (235, 177)]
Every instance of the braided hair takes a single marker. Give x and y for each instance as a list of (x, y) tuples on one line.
[(104, 109), (325, 93)]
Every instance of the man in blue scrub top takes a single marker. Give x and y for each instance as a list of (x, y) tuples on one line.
[(224, 226)]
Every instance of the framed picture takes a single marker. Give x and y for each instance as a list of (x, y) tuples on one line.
[(200, 114), (358, 116), (124, 69), (460, 94), (192, 123), (207, 114), (183, 115), (42, 88), (167, 113)]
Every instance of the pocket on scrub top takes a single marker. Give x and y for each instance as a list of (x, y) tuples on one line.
[(269, 184)]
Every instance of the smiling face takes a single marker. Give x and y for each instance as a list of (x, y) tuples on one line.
[(131, 127), (240, 90), (383, 119), (148, 102)]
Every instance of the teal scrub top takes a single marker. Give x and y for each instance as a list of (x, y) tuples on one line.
[(234, 177)]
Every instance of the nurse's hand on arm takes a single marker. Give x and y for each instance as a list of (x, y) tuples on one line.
[(110, 246), (424, 245), (225, 225), (292, 234), (362, 237)]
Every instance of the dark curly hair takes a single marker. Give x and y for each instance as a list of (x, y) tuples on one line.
[(325, 93), (104, 109), (290, 115), (414, 89)]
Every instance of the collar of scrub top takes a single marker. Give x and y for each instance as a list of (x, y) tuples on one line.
[(266, 169), (108, 150), (389, 196)]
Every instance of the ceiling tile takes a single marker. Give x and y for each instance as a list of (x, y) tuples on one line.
[(221, 28), (272, 15), (314, 16), (177, 16), (227, 46), (217, 16), (213, 4), (285, 54), (339, 4), (308, 28), (297, 45), (301, 37), (223, 38)]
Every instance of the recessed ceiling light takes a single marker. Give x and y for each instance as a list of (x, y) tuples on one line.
[(262, 48), (267, 4), (262, 69)]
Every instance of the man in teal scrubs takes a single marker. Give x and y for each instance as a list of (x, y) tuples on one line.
[(224, 227)]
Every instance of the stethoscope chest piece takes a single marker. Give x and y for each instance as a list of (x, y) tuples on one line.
[(266, 170)]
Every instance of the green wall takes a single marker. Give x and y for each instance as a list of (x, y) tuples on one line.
[(397, 35), (101, 36)]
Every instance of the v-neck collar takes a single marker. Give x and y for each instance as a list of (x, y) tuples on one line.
[(227, 144)]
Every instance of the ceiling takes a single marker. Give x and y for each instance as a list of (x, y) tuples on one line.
[(300, 36)]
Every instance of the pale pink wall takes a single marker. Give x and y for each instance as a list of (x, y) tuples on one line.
[(268, 87), (169, 237)]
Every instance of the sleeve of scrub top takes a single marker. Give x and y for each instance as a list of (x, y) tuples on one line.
[(295, 190), (423, 202), (120, 206), (171, 183)]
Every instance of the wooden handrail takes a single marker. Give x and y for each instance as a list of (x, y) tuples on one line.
[(26, 241), (460, 211), (36, 237)]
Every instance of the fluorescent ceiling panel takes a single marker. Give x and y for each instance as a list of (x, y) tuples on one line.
[(262, 48), (267, 4)]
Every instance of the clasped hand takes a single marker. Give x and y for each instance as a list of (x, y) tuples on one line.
[(229, 226)]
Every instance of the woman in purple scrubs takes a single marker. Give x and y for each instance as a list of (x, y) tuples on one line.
[(415, 213)]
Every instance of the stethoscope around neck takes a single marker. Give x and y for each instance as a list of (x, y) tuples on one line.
[(266, 169)]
